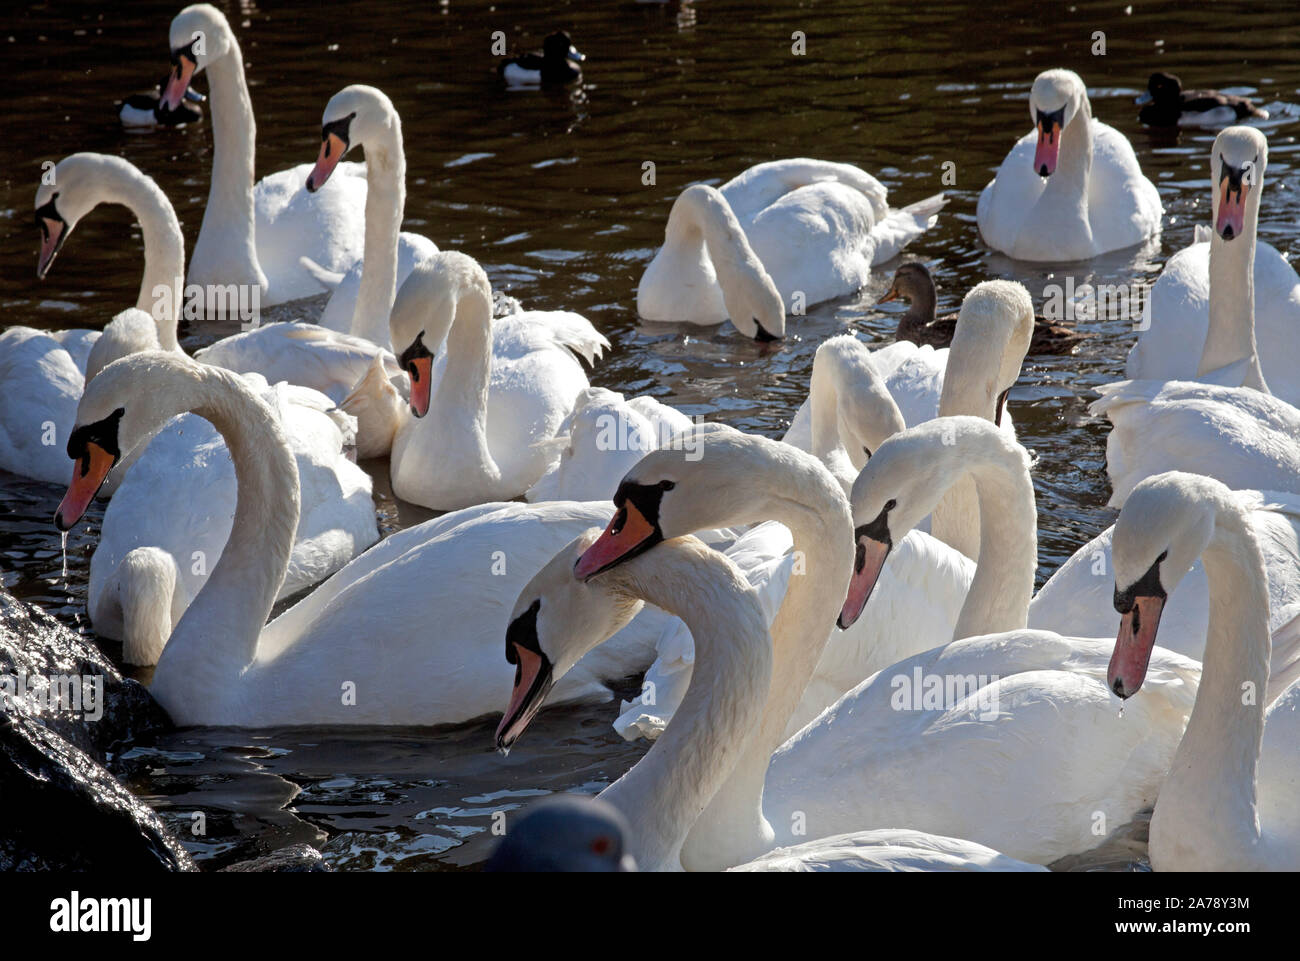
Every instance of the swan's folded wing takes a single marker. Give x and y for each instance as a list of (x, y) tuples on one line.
[(887, 849), (901, 226)]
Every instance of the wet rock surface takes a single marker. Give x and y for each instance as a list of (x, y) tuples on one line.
[(294, 859)]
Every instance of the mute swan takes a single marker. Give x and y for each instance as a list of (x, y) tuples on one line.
[(557, 62), (558, 618), (480, 434), (223, 665), (914, 284), (254, 234), (361, 116), (1229, 801), (1203, 303), (1167, 104), (169, 520), (1069, 189), (805, 230), (863, 762)]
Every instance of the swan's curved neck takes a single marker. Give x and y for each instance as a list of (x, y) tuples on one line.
[(164, 248), (851, 411), (1231, 334), (701, 217), (665, 792), (227, 234), (1003, 585), (217, 636), (804, 497), (1210, 791), (385, 206)]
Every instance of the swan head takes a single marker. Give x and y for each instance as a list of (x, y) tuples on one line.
[(864, 414), (199, 35), (903, 482), (994, 330), (129, 332), (701, 477), (120, 409), (425, 309), (1238, 162), (76, 187), (556, 620), (355, 115), (1166, 523), (565, 832), (1054, 101)]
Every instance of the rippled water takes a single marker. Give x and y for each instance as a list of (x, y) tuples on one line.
[(545, 189)]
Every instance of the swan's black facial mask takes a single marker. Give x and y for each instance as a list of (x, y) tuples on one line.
[(334, 143), (1049, 126), (872, 543), (534, 676), (54, 231), (94, 450), (633, 530), (1140, 605), (417, 361)]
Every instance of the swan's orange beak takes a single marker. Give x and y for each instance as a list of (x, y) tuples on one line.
[(868, 562), (1137, 638), (332, 149), (1049, 144), (53, 233), (178, 82), (627, 535), (88, 475), (420, 370), (1231, 221), (533, 677)]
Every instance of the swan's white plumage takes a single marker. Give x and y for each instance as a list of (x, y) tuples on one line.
[(886, 849)]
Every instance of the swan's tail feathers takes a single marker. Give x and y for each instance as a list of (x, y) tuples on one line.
[(1201, 234), (378, 407), (152, 598), (577, 334), (1128, 459), (901, 227), (328, 279)]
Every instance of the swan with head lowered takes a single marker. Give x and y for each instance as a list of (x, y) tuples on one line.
[(44, 371), (481, 411), (864, 763), (785, 234), (429, 602), (1069, 189), (1231, 299), (361, 116), (254, 234), (558, 618), (1228, 803)]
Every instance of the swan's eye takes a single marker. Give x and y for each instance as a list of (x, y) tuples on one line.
[(616, 525), (667, 485), (860, 558), (866, 450)]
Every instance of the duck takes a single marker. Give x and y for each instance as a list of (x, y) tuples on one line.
[(559, 616), (478, 422), (255, 234), (742, 477), (1228, 803), (1229, 293), (914, 284), (224, 665), (144, 110), (789, 232), (359, 304), (1071, 188), (556, 63), (170, 517), (1167, 104)]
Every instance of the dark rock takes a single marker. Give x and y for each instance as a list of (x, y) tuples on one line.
[(294, 859), (35, 646), (63, 811)]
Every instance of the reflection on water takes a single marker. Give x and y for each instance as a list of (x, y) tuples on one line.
[(545, 189)]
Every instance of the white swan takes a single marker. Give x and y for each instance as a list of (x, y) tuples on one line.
[(1229, 801), (169, 520), (1203, 303), (789, 232), (479, 420), (864, 763), (361, 116), (430, 602), (44, 371), (1072, 187), (558, 618), (254, 234)]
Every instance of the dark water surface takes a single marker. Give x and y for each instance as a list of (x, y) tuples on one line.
[(545, 189)]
